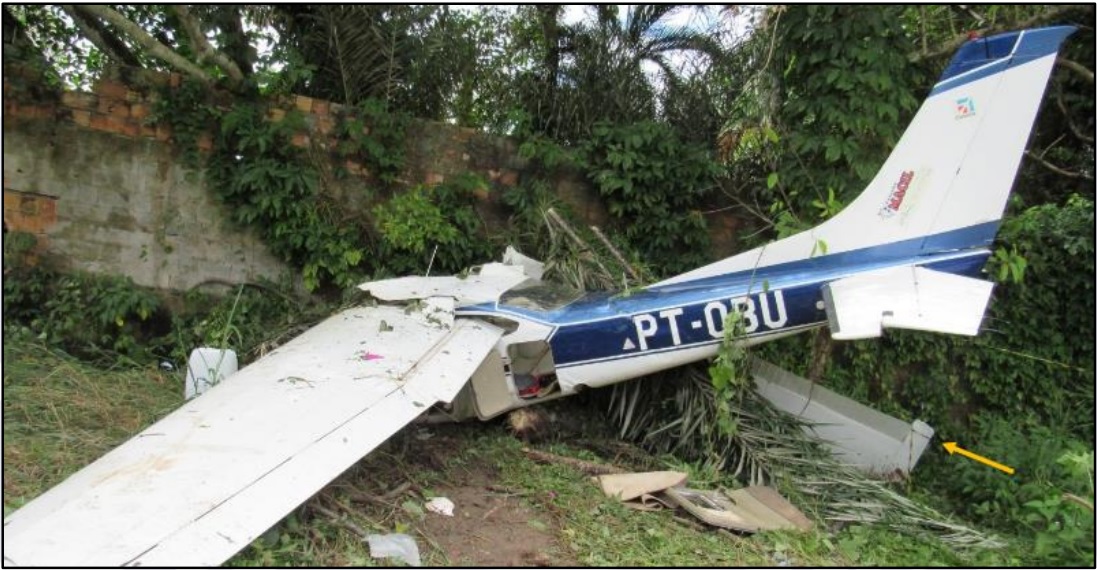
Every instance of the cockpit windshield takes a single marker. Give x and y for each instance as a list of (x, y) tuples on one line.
[(540, 296)]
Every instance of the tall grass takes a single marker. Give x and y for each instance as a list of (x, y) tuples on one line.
[(61, 414)]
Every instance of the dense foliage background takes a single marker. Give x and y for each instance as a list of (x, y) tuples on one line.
[(781, 112)]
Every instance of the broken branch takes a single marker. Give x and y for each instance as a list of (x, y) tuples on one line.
[(617, 254), (588, 467), (567, 229), (582, 245), (1060, 171), (1075, 67), (1078, 501), (1070, 124)]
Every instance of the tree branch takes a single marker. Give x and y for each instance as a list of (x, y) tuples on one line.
[(1076, 67), (203, 48), (965, 9), (98, 36), (1070, 124), (1057, 170), (155, 48), (949, 47)]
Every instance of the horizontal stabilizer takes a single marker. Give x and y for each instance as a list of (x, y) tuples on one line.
[(906, 298)]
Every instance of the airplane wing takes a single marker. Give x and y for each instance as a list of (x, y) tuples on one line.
[(202, 483), (905, 297)]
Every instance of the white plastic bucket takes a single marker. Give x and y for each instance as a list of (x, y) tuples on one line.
[(207, 367)]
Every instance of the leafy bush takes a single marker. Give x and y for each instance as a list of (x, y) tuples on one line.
[(245, 321), (107, 319), (412, 223), (1045, 500), (270, 185), (653, 185), (81, 313), (1063, 521)]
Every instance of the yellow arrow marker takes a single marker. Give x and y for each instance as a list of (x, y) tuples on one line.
[(951, 447)]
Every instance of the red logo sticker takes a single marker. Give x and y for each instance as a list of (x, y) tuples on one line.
[(898, 192)]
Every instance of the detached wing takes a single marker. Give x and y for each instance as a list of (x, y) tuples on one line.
[(202, 483), (905, 297)]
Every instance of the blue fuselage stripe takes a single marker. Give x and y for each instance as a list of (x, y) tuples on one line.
[(691, 323), (920, 250), (772, 300)]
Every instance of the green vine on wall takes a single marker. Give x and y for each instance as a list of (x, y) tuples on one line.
[(375, 134), (654, 184), (274, 187)]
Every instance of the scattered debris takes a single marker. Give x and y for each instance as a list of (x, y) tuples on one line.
[(629, 486), (441, 505), (207, 367), (752, 509), (528, 424), (397, 545)]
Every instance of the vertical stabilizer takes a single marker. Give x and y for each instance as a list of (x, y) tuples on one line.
[(945, 185)]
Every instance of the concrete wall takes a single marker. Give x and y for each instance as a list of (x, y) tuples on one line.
[(108, 203)]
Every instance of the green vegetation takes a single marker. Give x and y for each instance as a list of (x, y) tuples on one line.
[(109, 321), (784, 125), (441, 216), (93, 316), (653, 184)]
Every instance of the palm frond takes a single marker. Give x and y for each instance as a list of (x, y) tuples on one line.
[(643, 18)]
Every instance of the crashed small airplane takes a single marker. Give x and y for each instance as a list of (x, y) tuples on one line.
[(205, 481)]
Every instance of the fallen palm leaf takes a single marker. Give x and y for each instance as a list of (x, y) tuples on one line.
[(768, 445)]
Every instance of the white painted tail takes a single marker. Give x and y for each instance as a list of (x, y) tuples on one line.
[(945, 185)]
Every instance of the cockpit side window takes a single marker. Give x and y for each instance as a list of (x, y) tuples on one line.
[(540, 296)]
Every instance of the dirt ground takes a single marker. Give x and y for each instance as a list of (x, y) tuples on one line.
[(491, 526)]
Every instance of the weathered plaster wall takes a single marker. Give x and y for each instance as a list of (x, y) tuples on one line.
[(113, 204)]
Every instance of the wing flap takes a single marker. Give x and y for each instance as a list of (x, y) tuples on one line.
[(905, 297), (202, 483)]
